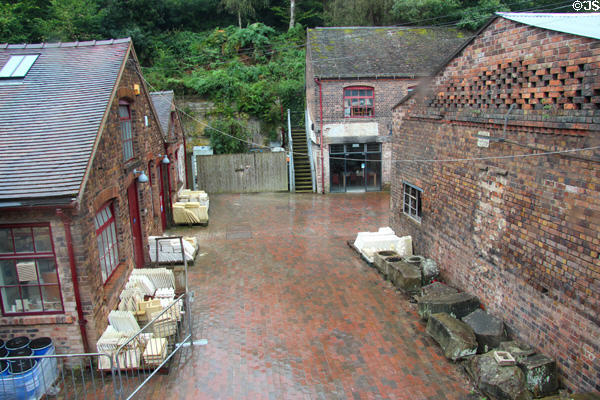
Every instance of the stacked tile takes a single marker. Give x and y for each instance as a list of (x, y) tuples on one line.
[(169, 251), (164, 326), (130, 299), (123, 321), (160, 277), (155, 352), (143, 283), (111, 340)]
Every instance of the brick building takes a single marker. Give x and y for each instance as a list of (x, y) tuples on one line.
[(171, 176), (78, 129), (353, 78), (522, 233)]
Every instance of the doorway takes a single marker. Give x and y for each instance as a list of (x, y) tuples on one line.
[(136, 227), (355, 167)]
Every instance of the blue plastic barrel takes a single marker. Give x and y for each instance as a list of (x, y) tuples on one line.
[(17, 343), (1, 344), (22, 365), (22, 385), (3, 368), (48, 366)]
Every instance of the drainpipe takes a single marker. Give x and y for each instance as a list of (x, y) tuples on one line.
[(80, 318), (318, 82), (185, 166)]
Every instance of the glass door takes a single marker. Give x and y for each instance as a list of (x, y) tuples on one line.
[(355, 172)]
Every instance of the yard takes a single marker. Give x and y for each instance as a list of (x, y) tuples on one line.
[(290, 311)]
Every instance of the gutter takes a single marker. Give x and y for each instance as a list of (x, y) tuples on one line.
[(80, 317), (318, 82)]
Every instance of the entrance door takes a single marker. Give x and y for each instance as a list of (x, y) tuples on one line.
[(136, 227), (355, 172), (355, 167)]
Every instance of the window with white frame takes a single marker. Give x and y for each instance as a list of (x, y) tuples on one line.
[(29, 282), (126, 132), (106, 235), (412, 201)]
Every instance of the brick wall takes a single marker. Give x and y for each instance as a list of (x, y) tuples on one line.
[(520, 233), (108, 180), (387, 92)]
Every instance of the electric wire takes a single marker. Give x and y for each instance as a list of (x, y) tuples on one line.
[(407, 160)]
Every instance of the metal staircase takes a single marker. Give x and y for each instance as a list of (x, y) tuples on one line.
[(302, 173)]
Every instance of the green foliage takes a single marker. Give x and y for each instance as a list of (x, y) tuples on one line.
[(72, 20), (223, 131)]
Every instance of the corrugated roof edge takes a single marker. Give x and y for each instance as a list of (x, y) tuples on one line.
[(376, 27), (450, 58), (8, 46)]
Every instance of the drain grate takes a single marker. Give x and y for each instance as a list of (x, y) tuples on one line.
[(239, 235)]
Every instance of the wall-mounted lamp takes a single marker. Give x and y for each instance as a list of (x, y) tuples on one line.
[(165, 160), (143, 178)]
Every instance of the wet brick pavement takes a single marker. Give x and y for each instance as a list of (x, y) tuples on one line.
[(291, 312)]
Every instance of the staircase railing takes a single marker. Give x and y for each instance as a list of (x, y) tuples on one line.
[(291, 154)]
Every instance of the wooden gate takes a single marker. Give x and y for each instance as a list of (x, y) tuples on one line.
[(242, 173)]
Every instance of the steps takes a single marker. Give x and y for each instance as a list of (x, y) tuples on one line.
[(301, 162)]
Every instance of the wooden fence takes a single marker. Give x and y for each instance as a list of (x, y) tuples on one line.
[(242, 173)]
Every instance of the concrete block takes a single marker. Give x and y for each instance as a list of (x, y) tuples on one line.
[(379, 259), (437, 288), (540, 374), (456, 338), (575, 396), (497, 381), (518, 350), (389, 271), (406, 277), (488, 329), (456, 304)]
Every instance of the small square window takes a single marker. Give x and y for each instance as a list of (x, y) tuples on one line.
[(412, 201)]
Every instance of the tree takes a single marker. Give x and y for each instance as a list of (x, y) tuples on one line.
[(243, 8), (72, 20), (292, 11), (358, 12)]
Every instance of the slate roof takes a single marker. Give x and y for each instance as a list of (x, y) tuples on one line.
[(162, 104), (580, 24), (380, 51), (49, 120)]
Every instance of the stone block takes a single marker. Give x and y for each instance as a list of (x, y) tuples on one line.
[(518, 350), (406, 277), (456, 304), (497, 381), (437, 288), (429, 270), (380, 256), (576, 396), (540, 374), (456, 338), (488, 329), (388, 271)]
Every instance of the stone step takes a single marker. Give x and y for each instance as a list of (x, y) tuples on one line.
[(540, 374), (456, 338), (405, 276)]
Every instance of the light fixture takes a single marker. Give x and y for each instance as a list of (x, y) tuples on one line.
[(165, 160), (143, 178)]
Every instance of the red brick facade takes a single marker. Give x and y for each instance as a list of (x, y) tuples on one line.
[(387, 92), (108, 180), (521, 233)]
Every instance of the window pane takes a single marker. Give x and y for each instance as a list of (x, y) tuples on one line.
[(124, 111), (27, 271), (369, 93), (32, 302), (23, 240), (100, 247), (6, 244), (51, 298), (369, 102), (8, 274), (10, 300), (47, 271), (354, 92), (42, 239), (348, 92)]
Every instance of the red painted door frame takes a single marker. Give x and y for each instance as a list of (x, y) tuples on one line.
[(163, 211), (136, 227)]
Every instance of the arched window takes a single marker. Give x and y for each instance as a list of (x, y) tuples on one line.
[(106, 236), (126, 132), (358, 102)]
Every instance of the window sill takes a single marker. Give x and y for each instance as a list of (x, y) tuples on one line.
[(411, 218), (115, 275), (43, 319)]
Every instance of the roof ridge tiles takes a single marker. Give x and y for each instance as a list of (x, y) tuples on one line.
[(46, 45)]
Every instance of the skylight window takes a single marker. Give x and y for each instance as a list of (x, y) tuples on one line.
[(18, 66)]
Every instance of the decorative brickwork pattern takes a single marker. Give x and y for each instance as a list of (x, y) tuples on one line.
[(520, 233)]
